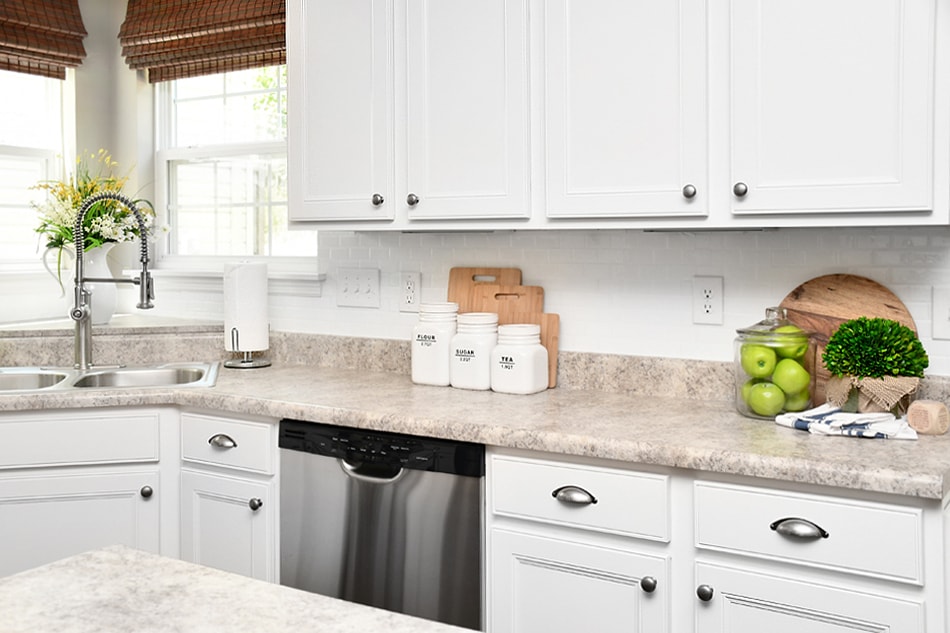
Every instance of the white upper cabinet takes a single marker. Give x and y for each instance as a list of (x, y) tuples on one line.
[(340, 110), (625, 108), (467, 145), (684, 114), (832, 105), (408, 110)]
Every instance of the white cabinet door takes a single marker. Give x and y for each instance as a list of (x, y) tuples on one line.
[(46, 517), (229, 523), (738, 601), (340, 114), (625, 108), (832, 105), (467, 135), (540, 584)]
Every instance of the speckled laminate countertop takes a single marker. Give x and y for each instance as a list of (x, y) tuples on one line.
[(122, 589), (676, 432)]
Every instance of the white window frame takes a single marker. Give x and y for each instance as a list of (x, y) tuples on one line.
[(55, 165), (288, 275)]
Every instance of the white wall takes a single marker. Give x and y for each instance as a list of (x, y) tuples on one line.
[(625, 292)]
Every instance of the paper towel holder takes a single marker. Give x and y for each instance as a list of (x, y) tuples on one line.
[(246, 361)]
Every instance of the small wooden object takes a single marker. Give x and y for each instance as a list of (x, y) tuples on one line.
[(928, 417)]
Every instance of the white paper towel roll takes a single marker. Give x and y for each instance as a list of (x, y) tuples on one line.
[(245, 307)]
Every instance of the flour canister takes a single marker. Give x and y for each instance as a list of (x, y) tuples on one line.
[(431, 341), (774, 367)]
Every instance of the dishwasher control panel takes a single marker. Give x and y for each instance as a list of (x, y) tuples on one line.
[(382, 447)]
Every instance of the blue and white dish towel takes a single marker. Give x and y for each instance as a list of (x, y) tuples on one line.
[(828, 419)]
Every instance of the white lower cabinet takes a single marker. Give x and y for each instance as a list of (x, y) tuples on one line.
[(78, 480), (570, 549), (576, 544), (552, 584), (229, 500), (737, 600)]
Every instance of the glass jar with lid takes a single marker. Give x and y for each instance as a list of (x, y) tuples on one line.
[(774, 367)]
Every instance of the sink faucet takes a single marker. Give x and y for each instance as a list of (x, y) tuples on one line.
[(81, 311)]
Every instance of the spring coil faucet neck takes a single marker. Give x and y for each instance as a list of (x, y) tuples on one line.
[(81, 311)]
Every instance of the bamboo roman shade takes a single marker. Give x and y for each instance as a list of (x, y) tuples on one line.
[(41, 37), (173, 39)]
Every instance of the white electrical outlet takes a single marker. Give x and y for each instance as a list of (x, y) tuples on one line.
[(941, 313), (358, 287), (707, 300), (410, 285)]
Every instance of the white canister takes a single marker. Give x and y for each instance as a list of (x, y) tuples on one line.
[(519, 363), (431, 339), (470, 353)]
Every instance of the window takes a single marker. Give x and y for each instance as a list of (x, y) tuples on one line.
[(223, 165), (31, 149)]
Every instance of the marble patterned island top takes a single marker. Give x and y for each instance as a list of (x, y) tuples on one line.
[(118, 589), (690, 433)]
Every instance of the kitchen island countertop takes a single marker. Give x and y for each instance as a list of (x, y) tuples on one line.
[(121, 589), (700, 435)]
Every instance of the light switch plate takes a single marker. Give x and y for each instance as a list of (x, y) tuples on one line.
[(358, 287)]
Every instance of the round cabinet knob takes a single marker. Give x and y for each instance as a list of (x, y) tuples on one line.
[(648, 584), (146, 492), (255, 504), (705, 593), (689, 191), (378, 200), (412, 199), (740, 189)]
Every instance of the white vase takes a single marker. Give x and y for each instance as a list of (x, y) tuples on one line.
[(95, 264)]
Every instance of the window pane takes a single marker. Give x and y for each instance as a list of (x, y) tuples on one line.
[(231, 206), (18, 240), (32, 119), (234, 203)]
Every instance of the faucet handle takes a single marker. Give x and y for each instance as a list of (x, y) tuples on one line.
[(146, 291)]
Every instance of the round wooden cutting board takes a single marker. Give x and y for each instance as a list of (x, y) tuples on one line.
[(823, 303)]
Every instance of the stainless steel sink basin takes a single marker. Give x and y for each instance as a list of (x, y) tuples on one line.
[(175, 375), (20, 379), (29, 378)]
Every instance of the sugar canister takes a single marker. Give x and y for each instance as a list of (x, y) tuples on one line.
[(470, 353)]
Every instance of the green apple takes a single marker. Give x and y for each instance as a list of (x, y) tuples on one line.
[(792, 346), (766, 399), (797, 401), (747, 386), (757, 361), (790, 376)]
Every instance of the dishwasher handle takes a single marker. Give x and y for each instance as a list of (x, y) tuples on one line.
[(371, 472)]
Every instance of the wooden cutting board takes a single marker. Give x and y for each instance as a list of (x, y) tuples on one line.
[(519, 304), (462, 282), (506, 300), (823, 303)]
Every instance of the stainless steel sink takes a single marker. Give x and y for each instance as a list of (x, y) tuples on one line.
[(20, 379), (29, 378), (169, 375), (143, 377)]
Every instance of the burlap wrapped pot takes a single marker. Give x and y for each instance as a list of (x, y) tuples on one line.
[(870, 395)]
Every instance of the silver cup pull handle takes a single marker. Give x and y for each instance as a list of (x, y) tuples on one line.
[(799, 529), (220, 440), (574, 495)]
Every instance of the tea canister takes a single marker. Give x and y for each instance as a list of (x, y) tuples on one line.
[(519, 363), (774, 367)]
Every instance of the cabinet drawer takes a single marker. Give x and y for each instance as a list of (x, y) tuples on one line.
[(237, 444), (627, 503), (66, 439), (871, 539)]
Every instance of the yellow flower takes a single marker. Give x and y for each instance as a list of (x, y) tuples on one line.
[(105, 221)]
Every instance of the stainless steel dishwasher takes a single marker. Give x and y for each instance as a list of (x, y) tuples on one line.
[(388, 520)]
